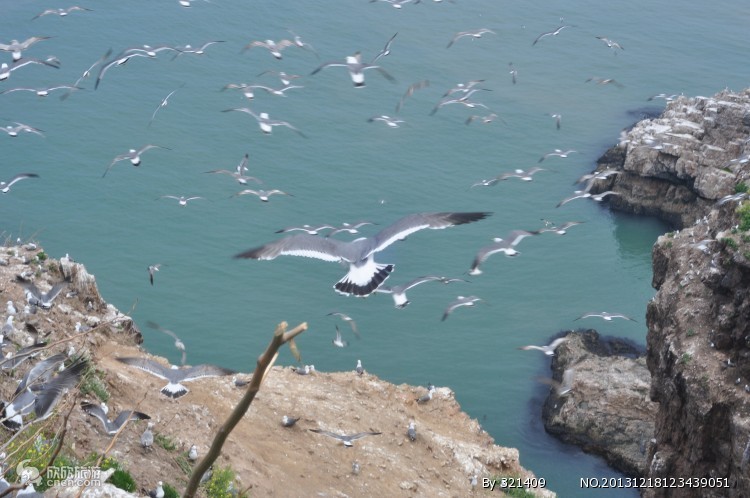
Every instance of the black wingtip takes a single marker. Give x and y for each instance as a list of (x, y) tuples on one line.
[(249, 254), (463, 218)]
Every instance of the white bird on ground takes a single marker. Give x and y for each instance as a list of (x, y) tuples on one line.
[(359, 369), (427, 397), (159, 491), (365, 275), (412, 431), (193, 453), (147, 438)]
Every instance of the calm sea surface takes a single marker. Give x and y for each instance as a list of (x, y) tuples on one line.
[(350, 170)]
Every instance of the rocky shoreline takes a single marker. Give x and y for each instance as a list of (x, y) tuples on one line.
[(266, 458), (676, 167)]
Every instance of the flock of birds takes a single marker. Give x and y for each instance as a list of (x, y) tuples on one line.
[(43, 384)]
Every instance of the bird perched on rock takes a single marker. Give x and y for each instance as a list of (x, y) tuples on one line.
[(147, 438), (360, 369), (427, 397), (193, 453), (412, 431), (288, 421), (158, 492)]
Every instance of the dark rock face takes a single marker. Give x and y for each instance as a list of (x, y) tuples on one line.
[(677, 165), (607, 411)]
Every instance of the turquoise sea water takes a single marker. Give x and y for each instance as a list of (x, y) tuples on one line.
[(350, 170)]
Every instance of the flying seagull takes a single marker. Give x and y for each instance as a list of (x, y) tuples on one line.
[(5, 70), (302, 44), (338, 341), (177, 342), (610, 43), (263, 195), (239, 173), (356, 69), (557, 153), (41, 372), (35, 297), (559, 230), (346, 318), (15, 47), (164, 102), (62, 12), (5, 186), (458, 302), (111, 427), (133, 155), (410, 91), (175, 376), (564, 387), (398, 292), (265, 123), (505, 245), (474, 34), (391, 122), (347, 440), (548, 350), (365, 275), (12, 131), (386, 50), (181, 200), (274, 47), (588, 195), (551, 33), (151, 270), (605, 315)]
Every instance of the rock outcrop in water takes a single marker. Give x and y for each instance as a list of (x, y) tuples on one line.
[(676, 167), (268, 459), (608, 412)]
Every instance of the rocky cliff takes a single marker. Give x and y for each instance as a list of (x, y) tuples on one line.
[(267, 459), (676, 167)]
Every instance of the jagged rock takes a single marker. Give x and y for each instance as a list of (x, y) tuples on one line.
[(607, 412)]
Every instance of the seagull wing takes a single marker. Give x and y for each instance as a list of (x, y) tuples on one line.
[(415, 222), (305, 245), (129, 415), (360, 435), (419, 280), (200, 371), (20, 177), (97, 411), (147, 365), (49, 393)]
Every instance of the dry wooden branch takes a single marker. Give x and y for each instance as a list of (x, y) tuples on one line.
[(265, 362)]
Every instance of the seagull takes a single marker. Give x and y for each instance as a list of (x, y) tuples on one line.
[(427, 397), (505, 245), (560, 230), (338, 341), (175, 376), (550, 33), (610, 43), (513, 72), (365, 275), (266, 124), (346, 318), (397, 4), (410, 91), (556, 117), (118, 61), (386, 50), (347, 440), (349, 227), (485, 183), (177, 342), (193, 453), (239, 173), (62, 12), (44, 300), (246, 89), (41, 92), (15, 47), (133, 155), (564, 387), (159, 491), (605, 315), (41, 372), (307, 370), (591, 177), (525, 175), (87, 72), (460, 100), (111, 427), (557, 153), (474, 34), (41, 398), (263, 195), (359, 369), (548, 350), (464, 87), (8, 328), (288, 421), (484, 119), (302, 44), (5, 70), (5, 186), (275, 91), (398, 292), (391, 122), (183, 201), (147, 438), (285, 78), (356, 69), (412, 431), (605, 81), (11, 310), (13, 360), (164, 103), (312, 230), (187, 49), (274, 47), (588, 195), (12, 131), (458, 302), (151, 270)]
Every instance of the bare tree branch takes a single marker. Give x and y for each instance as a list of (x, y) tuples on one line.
[(265, 362)]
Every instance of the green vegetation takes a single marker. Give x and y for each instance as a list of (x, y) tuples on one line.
[(221, 484), (165, 442), (743, 211), (121, 477), (691, 332), (170, 492), (685, 358), (41, 256), (93, 383), (740, 188), (729, 242)]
